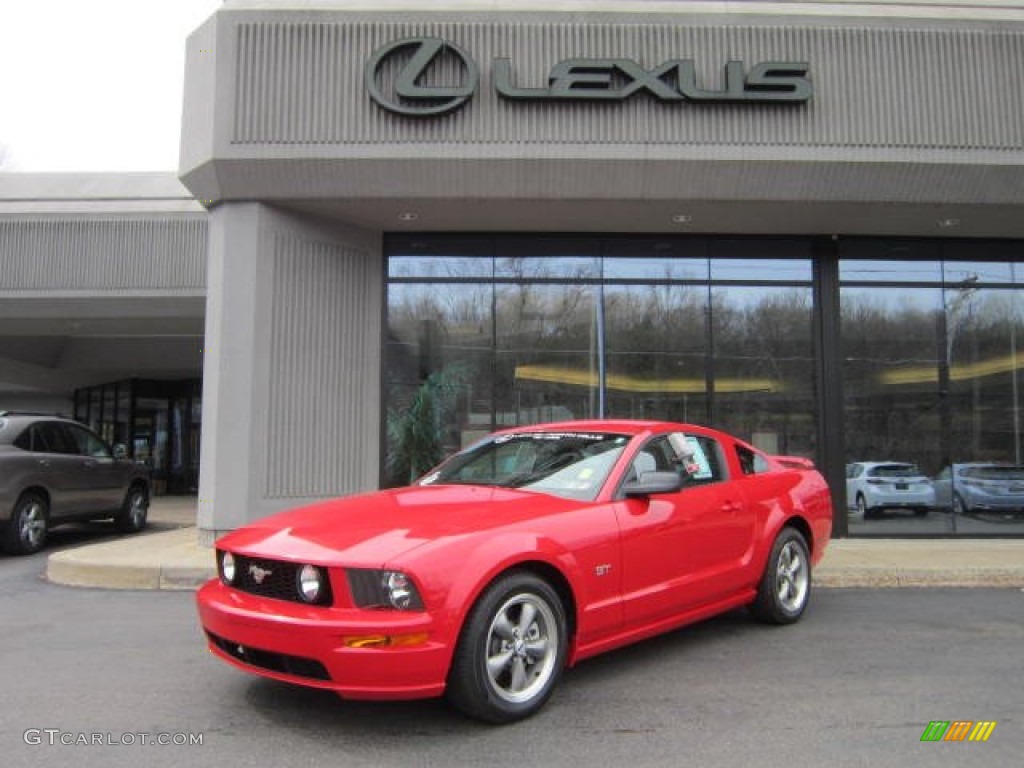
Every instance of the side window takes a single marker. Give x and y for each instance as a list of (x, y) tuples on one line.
[(697, 459), (653, 457), (42, 437), (751, 462), (704, 462), (24, 440), (747, 458), (86, 443)]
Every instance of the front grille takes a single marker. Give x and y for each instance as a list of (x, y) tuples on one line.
[(274, 578), (298, 666)]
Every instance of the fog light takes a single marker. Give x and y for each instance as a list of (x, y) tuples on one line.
[(309, 583), (227, 568)]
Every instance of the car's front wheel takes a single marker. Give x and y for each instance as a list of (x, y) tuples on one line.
[(26, 532), (785, 586), (511, 651), (132, 517)]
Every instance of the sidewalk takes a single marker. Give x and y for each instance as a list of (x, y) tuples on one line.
[(169, 557)]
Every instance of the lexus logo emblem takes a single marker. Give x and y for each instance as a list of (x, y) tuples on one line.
[(421, 76)]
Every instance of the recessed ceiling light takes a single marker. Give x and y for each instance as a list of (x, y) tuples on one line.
[(408, 216), (682, 218), (949, 223)]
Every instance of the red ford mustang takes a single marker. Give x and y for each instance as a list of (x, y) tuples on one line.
[(517, 557)]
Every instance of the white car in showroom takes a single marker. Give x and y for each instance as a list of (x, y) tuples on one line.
[(875, 486)]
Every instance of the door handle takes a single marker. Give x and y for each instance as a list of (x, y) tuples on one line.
[(44, 463), (731, 507)]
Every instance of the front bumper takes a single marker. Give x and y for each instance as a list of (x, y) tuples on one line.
[(306, 645)]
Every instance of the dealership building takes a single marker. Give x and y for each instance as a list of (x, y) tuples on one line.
[(802, 223)]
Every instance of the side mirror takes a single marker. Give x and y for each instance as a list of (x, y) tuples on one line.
[(120, 451), (651, 483)]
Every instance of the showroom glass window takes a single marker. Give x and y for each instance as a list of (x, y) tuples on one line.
[(930, 333), (487, 332)]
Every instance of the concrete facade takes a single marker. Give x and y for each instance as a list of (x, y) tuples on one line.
[(916, 122), (291, 386), (914, 127), (102, 276)]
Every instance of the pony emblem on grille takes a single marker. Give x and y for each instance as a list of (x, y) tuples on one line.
[(259, 574)]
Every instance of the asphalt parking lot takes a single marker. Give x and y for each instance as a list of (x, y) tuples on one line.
[(855, 683)]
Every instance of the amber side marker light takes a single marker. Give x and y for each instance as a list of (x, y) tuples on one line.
[(385, 641)]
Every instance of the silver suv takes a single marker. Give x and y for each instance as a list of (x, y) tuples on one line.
[(55, 470)]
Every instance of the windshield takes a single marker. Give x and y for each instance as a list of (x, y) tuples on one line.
[(570, 464)]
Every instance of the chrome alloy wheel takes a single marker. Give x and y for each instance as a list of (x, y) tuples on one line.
[(522, 648), (32, 525), (792, 578), (137, 509)]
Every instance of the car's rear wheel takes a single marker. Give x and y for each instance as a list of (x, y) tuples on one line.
[(862, 508), (511, 651), (785, 586), (132, 517), (26, 532)]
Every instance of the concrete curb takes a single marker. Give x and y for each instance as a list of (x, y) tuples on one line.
[(922, 563), (165, 560), (886, 578)]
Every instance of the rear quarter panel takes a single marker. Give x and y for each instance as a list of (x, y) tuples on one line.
[(798, 497)]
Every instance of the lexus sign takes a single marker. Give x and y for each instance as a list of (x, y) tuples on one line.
[(423, 76)]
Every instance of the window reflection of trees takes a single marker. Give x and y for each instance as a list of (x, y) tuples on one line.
[(764, 366), (904, 347), (528, 351)]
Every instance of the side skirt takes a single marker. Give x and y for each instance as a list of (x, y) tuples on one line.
[(636, 634)]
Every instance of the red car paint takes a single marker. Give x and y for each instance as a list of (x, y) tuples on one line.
[(626, 567)]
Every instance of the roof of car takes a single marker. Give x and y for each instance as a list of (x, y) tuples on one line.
[(12, 422), (623, 426)]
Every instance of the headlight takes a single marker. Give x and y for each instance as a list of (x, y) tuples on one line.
[(383, 589), (310, 583), (227, 567), (400, 591)]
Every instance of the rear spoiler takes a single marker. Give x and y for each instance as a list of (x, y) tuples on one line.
[(794, 462)]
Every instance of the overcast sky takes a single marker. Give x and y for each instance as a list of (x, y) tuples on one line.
[(93, 85)]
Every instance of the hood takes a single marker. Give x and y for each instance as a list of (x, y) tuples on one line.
[(372, 529)]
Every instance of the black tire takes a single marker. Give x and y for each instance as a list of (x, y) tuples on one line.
[(26, 531), (511, 650), (785, 587), (923, 512), (862, 507), (134, 510)]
